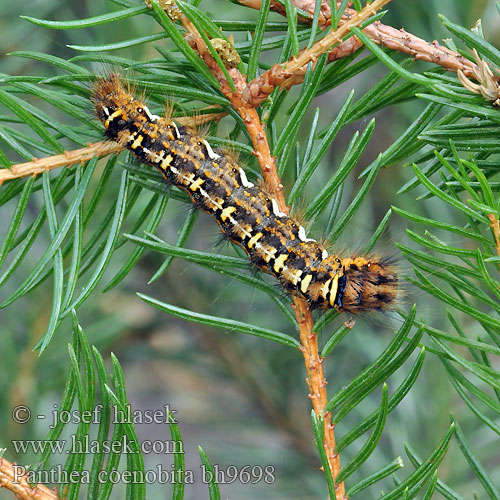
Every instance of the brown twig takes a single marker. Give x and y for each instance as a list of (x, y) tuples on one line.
[(495, 228), (419, 49), (9, 478), (292, 72), (316, 383), (38, 166), (381, 34), (68, 158)]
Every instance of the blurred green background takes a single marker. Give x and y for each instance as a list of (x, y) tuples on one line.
[(242, 399)]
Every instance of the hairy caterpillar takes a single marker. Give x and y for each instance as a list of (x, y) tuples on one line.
[(275, 242)]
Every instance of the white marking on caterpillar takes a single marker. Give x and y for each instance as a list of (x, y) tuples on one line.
[(189, 177), (178, 134), (209, 198), (246, 183), (211, 153), (324, 255), (304, 238), (154, 157), (246, 234), (153, 118), (106, 110), (276, 209), (268, 255), (159, 157)]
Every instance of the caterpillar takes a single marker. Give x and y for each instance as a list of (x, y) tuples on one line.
[(275, 242)]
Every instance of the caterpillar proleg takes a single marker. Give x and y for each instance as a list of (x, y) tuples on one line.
[(246, 214)]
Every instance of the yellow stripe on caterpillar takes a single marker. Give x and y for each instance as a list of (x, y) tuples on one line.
[(254, 240), (280, 262), (333, 289), (227, 212), (118, 112), (137, 142), (304, 284), (165, 163), (196, 184)]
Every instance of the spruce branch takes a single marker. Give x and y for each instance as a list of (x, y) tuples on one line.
[(234, 86), (20, 486)]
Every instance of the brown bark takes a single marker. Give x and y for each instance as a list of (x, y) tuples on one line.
[(19, 485), (383, 35)]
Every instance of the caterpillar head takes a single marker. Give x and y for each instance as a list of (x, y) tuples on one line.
[(371, 285), (115, 107)]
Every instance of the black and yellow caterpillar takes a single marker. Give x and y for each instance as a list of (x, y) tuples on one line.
[(248, 216)]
